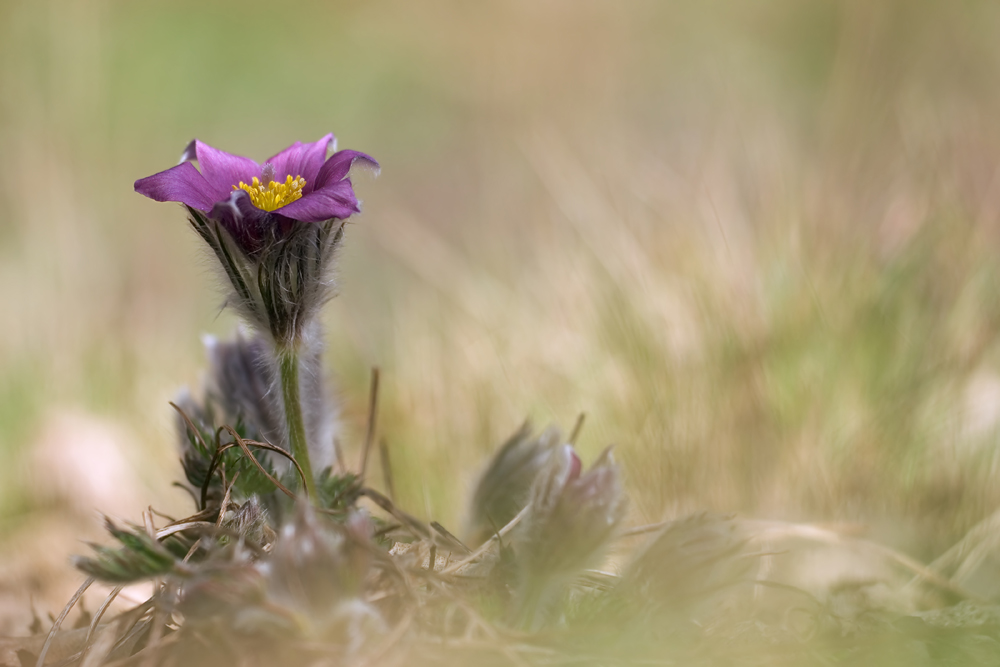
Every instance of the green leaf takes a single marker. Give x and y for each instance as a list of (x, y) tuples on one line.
[(337, 492), (140, 557)]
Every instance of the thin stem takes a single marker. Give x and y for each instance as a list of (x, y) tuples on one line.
[(577, 428), (372, 422), (288, 366)]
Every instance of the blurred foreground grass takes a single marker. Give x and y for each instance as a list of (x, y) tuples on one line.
[(756, 243)]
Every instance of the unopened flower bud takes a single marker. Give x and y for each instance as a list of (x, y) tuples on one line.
[(572, 520), (504, 486), (687, 563)]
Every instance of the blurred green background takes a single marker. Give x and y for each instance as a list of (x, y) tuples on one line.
[(757, 243)]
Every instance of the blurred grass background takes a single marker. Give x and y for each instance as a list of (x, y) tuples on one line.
[(757, 243)]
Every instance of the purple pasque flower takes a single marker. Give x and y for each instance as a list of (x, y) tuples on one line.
[(257, 203), (572, 519), (504, 486), (274, 228), (573, 513)]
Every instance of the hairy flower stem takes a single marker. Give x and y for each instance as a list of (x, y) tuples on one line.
[(288, 367)]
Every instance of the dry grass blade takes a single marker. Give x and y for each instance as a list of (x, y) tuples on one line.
[(147, 523), (225, 501), (95, 654), (190, 424), (830, 537), (645, 529), (441, 538), (372, 422), (212, 465), (159, 623), (417, 527), (577, 427), (99, 613), (245, 446), (133, 625), (488, 544), (59, 621), (338, 453), (181, 527), (203, 515), (385, 530), (160, 514), (448, 534), (276, 450), (390, 487), (970, 555), (146, 653), (187, 489), (118, 633), (207, 528), (598, 579)]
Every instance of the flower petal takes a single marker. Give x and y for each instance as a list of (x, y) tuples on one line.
[(302, 160), (338, 166), (221, 169), (182, 183), (333, 201)]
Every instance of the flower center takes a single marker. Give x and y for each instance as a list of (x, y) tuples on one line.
[(273, 195)]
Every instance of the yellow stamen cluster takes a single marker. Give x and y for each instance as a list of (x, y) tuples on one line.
[(273, 195)]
